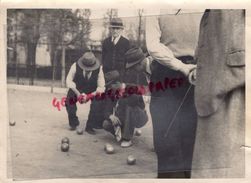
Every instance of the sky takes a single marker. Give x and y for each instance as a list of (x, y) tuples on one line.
[(97, 16)]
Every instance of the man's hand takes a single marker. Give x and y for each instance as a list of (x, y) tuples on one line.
[(192, 76), (115, 120), (187, 69), (81, 99)]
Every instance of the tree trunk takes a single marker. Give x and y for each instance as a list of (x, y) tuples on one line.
[(63, 66), (53, 61), (139, 31), (31, 60), (15, 51)]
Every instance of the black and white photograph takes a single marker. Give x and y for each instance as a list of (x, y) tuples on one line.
[(115, 93)]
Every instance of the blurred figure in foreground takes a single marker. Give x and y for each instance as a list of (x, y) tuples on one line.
[(220, 96)]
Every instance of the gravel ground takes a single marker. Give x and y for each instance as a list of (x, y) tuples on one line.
[(34, 144)]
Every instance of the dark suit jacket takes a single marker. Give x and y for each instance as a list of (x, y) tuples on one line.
[(220, 57), (113, 56)]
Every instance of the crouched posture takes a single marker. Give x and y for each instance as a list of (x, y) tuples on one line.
[(84, 77), (124, 112)]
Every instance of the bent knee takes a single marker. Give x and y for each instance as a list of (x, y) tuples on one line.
[(107, 124)]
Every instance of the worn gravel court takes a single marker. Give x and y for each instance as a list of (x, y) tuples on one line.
[(34, 144)]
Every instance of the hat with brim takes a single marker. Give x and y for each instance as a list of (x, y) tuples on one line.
[(134, 56), (112, 77), (88, 62), (114, 85), (116, 23)]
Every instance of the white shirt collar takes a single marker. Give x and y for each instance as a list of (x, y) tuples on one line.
[(116, 39), (148, 63), (88, 74)]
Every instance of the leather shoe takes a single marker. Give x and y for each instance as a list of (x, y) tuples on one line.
[(98, 127), (91, 131), (126, 143)]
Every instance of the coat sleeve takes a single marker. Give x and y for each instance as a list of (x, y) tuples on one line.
[(103, 55), (221, 59), (236, 50), (159, 51)]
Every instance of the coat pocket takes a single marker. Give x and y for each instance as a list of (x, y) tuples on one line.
[(236, 58)]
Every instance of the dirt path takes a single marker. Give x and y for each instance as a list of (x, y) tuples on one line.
[(35, 144)]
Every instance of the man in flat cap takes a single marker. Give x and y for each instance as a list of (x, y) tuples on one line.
[(85, 77)]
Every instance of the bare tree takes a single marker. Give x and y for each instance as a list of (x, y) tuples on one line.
[(30, 26), (12, 40), (140, 14), (110, 13), (62, 27), (84, 24), (66, 27), (58, 25)]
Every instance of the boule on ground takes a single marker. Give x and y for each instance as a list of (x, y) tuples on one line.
[(131, 160), (12, 123), (138, 132), (65, 147), (109, 149), (65, 140), (80, 131)]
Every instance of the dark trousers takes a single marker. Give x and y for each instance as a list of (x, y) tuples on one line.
[(175, 175), (122, 112), (174, 148), (95, 117)]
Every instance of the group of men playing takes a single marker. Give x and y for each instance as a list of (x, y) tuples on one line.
[(110, 82), (198, 128)]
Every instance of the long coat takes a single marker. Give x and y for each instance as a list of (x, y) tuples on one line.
[(219, 95)]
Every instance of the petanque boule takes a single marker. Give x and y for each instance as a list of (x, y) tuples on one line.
[(138, 132), (65, 140), (109, 149), (80, 131), (12, 123), (65, 147), (131, 160)]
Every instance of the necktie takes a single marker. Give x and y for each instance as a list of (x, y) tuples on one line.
[(113, 41), (87, 74)]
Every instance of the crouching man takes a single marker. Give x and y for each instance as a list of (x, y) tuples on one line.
[(128, 112), (85, 78)]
